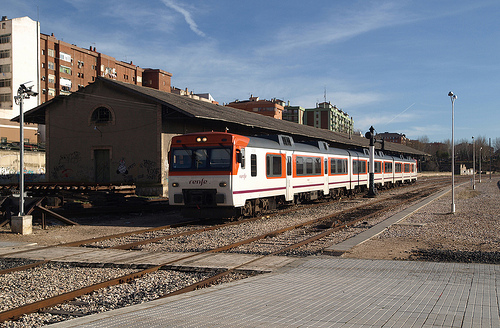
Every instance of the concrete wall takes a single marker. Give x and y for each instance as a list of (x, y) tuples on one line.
[(34, 164)]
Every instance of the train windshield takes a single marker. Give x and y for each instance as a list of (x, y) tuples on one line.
[(201, 159)]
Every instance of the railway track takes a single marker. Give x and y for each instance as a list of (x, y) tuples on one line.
[(304, 232)]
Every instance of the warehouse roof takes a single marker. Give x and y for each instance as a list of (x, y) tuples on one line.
[(204, 110)]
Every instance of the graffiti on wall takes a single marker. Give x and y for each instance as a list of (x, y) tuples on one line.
[(65, 166)]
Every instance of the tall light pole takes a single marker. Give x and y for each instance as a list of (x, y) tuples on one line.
[(452, 97), (473, 164), (480, 158), (22, 93)]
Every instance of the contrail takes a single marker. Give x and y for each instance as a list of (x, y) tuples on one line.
[(400, 113)]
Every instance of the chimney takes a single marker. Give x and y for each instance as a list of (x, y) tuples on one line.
[(4, 18)]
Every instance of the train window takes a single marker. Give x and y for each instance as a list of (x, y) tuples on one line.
[(378, 167), (181, 159), (309, 165), (387, 167), (288, 165), (253, 165), (342, 166), (333, 166), (220, 158), (398, 168), (326, 166), (273, 167), (407, 168), (358, 167), (317, 165), (200, 158), (299, 165)]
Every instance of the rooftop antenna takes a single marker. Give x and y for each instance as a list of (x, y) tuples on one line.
[(324, 95)]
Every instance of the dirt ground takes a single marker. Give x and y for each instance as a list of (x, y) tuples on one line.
[(474, 227)]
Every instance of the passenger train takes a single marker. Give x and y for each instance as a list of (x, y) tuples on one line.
[(220, 174)]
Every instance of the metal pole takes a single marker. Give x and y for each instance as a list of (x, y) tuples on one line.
[(473, 163), (452, 97), (21, 156), (490, 158), (372, 192), (480, 157)]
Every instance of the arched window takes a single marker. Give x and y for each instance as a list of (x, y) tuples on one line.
[(101, 115)]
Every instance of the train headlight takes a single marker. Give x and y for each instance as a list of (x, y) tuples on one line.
[(222, 184), (175, 184), (201, 139)]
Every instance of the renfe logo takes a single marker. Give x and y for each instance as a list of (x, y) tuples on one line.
[(199, 182)]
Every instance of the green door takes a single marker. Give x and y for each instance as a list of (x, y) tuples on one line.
[(102, 165)]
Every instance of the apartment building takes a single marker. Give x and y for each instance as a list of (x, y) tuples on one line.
[(55, 68), (273, 108), (294, 114), (329, 117), (19, 48), (393, 137)]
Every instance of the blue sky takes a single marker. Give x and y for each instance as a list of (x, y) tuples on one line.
[(389, 64)]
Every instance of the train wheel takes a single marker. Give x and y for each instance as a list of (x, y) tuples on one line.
[(248, 208)]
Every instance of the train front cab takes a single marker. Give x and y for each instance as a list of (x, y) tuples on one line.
[(201, 171)]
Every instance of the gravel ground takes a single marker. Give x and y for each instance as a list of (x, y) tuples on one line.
[(472, 234)]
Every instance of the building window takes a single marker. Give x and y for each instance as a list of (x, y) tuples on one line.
[(101, 115), (51, 52), (5, 38), (52, 92), (64, 69), (5, 68), (5, 53), (65, 56), (5, 97), (52, 78), (51, 65), (5, 83)]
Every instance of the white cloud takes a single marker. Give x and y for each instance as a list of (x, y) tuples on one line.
[(187, 16), (344, 26)]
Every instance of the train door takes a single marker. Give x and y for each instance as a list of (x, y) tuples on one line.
[(326, 187), (289, 175)]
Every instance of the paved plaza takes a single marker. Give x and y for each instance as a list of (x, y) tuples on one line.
[(330, 292)]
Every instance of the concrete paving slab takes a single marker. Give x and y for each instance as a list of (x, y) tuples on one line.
[(328, 292)]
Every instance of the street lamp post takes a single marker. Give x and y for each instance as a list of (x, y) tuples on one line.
[(473, 164), (452, 97), (18, 223), (480, 158)]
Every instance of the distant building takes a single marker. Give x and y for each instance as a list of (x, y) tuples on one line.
[(54, 68), (190, 94), (19, 63), (329, 117), (294, 114), (273, 108), (393, 137)]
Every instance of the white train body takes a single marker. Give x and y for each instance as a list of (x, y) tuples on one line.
[(215, 174)]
